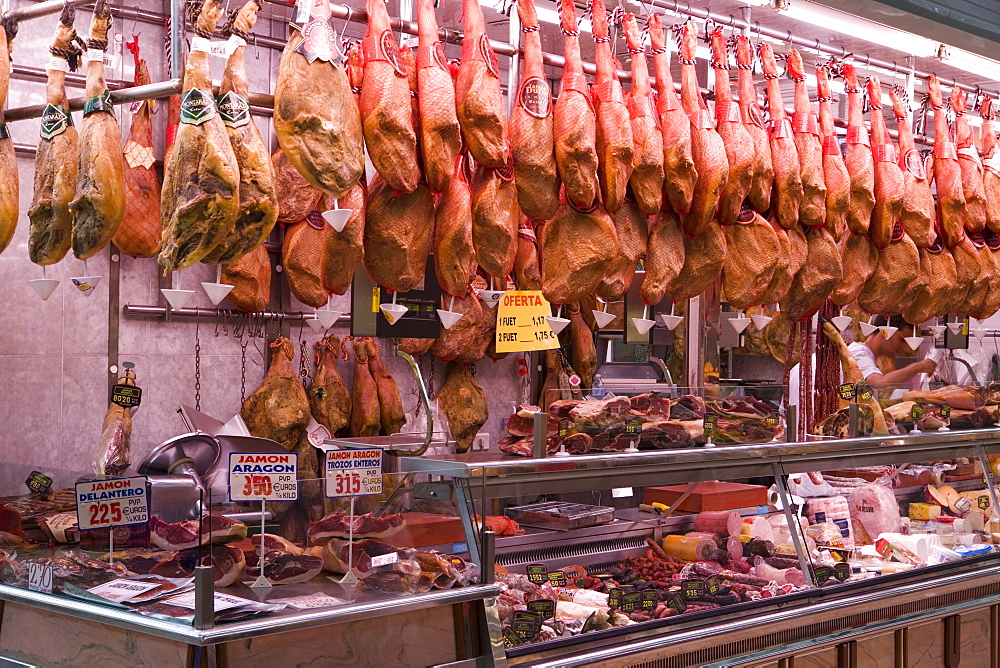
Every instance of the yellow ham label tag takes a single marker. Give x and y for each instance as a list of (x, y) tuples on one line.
[(137, 155), (376, 298), (522, 324)]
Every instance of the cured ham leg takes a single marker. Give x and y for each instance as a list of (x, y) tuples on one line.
[(365, 416), (859, 258), (750, 113), (679, 171), (390, 405), (631, 228), (917, 211), (527, 273), (440, 134), (735, 136), (835, 175), (478, 92), (647, 141), (9, 185), (947, 173), (344, 250), (664, 256), (805, 132), (752, 248), (896, 279), (784, 155), (51, 232), (495, 217), (258, 196), (464, 405), (858, 157), (991, 165), (575, 125), (200, 199), (569, 277), (454, 255), (329, 399), (614, 127), (934, 297), (100, 186), (970, 163), (399, 231), (707, 149), (279, 408), (817, 278), (889, 186), (852, 374)]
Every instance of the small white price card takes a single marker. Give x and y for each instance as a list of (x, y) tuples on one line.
[(120, 591), (385, 559), (353, 472), (263, 476), (222, 601), (40, 577), (310, 602), (112, 502)]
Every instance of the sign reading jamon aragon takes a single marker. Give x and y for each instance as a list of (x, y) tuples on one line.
[(521, 324), (263, 476)]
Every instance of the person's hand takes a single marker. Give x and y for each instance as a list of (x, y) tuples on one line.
[(927, 366)]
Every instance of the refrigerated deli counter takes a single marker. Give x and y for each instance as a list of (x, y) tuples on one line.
[(590, 523)]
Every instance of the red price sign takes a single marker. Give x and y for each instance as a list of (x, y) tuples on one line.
[(40, 577), (353, 472), (263, 476), (112, 502)]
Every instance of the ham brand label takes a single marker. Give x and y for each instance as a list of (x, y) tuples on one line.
[(534, 97), (263, 476), (856, 134), (112, 502), (915, 164), (353, 472), (197, 106), (234, 110), (522, 324), (319, 42), (100, 102), (55, 120)]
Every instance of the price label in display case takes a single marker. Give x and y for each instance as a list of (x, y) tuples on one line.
[(263, 476), (353, 472), (112, 502), (40, 577)]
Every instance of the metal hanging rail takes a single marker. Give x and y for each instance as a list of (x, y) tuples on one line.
[(135, 311), (43, 9)]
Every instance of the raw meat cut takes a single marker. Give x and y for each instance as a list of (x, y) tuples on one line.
[(933, 298), (495, 218), (468, 339), (344, 250), (753, 121), (316, 117), (454, 254), (707, 149), (735, 136), (302, 258), (398, 235), (339, 524), (859, 259), (835, 175), (208, 530), (200, 198), (991, 166), (819, 276), (250, 277), (296, 198), (784, 156), (281, 567), (889, 186), (527, 273), (888, 290), (852, 374), (522, 422), (258, 197), (9, 182), (139, 233), (631, 229), (782, 278), (279, 408), (329, 398), (946, 172), (100, 186), (647, 141), (464, 406), (858, 156), (664, 256), (704, 257), (970, 164), (228, 564), (365, 411), (385, 105), (576, 251), (752, 247), (390, 405), (917, 212), (805, 131), (51, 231), (679, 171), (440, 134), (600, 413), (478, 93), (614, 126), (531, 127), (584, 352)]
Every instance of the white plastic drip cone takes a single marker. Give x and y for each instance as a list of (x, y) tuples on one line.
[(760, 321), (329, 318), (86, 284), (867, 329), (44, 287), (914, 342), (216, 291), (556, 324), (739, 324), (643, 325), (177, 299), (841, 322), (449, 318), (603, 318), (337, 218), (393, 312), (671, 321)]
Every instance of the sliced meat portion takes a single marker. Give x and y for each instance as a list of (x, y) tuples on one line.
[(970, 163), (208, 530), (735, 136), (339, 524), (889, 186), (805, 132), (835, 175), (614, 127), (947, 172), (647, 141), (478, 92), (283, 567), (917, 212), (858, 156)]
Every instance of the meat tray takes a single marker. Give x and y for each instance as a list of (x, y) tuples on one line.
[(561, 516)]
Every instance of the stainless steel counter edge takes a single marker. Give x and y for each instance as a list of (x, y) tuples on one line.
[(227, 632)]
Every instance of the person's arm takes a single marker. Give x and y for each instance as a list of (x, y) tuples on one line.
[(901, 376)]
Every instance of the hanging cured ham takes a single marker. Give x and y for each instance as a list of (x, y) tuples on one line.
[(647, 141), (707, 149), (631, 229), (933, 297), (751, 249), (390, 406), (784, 155), (51, 231), (329, 398), (139, 233), (258, 198), (859, 258), (399, 231), (805, 132), (365, 416), (783, 275), (889, 186), (858, 156), (302, 258), (9, 186), (664, 256), (478, 92), (250, 277), (614, 127), (200, 199), (917, 211), (704, 257), (454, 254), (296, 198), (385, 105), (466, 341), (316, 118), (946, 172), (495, 217), (440, 134), (835, 175), (818, 277), (750, 113), (970, 163), (576, 251), (344, 250), (892, 287), (735, 136), (100, 187), (279, 408), (575, 125), (991, 165), (464, 405), (982, 300), (531, 127), (527, 273)]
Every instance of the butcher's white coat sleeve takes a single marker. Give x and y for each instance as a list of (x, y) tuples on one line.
[(865, 358)]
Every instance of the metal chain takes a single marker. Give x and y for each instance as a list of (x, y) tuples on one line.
[(197, 364), (243, 370), (303, 365)]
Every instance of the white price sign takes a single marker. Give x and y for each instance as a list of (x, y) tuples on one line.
[(40, 577), (112, 502), (353, 472), (120, 591), (263, 476)]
